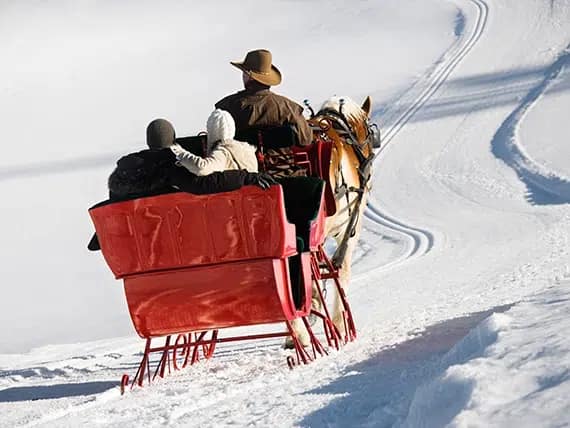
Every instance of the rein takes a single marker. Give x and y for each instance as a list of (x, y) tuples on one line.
[(364, 164)]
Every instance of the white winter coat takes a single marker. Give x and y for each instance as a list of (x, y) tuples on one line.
[(225, 152)]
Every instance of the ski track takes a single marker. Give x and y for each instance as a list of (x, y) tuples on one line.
[(421, 241), (440, 74), (543, 187)]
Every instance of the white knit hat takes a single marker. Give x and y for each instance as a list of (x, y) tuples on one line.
[(221, 126)]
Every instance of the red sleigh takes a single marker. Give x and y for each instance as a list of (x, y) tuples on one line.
[(193, 265)]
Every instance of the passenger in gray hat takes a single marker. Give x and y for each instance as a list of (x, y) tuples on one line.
[(154, 171)]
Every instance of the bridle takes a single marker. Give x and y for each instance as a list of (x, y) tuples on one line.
[(330, 117)]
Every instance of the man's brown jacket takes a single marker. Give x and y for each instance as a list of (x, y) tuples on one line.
[(259, 107)]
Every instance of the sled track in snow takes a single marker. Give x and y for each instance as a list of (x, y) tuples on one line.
[(421, 241), (438, 77), (543, 187)]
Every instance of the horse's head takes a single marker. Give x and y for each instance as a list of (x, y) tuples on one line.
[(351, 121), (347, 124)]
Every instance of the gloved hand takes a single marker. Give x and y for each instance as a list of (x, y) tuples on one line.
[(94, 243), (262, 179), (177, 150)]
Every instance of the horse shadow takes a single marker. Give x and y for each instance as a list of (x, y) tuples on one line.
[(378, 391), (50, 392)]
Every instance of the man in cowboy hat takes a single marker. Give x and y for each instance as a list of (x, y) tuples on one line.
[(256, 106)]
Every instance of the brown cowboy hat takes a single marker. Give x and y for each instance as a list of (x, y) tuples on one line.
[(257, 64)]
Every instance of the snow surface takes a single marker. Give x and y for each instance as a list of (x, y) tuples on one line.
[(461, 287), (511, 370)]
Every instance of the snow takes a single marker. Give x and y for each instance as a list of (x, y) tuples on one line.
[(512, 369), (461, 281), (535, 134)]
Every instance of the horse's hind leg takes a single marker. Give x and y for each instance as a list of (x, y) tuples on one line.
[(341, 308), (301, 332), (344, 279)]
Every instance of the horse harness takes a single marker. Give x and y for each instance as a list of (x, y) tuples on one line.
[(331, 118)]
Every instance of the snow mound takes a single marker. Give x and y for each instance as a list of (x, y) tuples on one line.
[(512, 369)]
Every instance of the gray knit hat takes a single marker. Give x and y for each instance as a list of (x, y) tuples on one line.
[(159, 134)]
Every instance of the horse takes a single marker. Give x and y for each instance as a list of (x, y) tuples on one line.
[(343, 129), (346, 126)]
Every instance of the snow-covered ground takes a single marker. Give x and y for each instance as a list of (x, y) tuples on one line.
[(461, 290), (511, 370)]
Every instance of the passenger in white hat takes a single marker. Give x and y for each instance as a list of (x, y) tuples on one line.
[(223, 152)]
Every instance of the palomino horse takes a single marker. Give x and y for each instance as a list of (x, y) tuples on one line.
[(343, 129), (346, 125)]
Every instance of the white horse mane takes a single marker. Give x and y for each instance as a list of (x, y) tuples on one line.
[(350, 108)]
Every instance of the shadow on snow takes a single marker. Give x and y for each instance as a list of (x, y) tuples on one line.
[(46, 392), (58, 167), (542, 188), (473, 93), (378, 392)]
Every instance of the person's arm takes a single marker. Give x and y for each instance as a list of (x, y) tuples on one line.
[(304, 132), (216, 161), (217, 182)]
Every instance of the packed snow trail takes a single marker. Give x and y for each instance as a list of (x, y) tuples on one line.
[(499, 384)]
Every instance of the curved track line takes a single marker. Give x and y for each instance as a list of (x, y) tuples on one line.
[(440, 74), (421, 241), (544, 187)]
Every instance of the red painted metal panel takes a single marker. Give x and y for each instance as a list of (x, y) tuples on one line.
[(307, 284), (212, 297), (319, 154), (181, 230), (317, 228)]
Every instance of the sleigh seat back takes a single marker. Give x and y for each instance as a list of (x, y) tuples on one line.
[(314, 159), (203, 262)]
